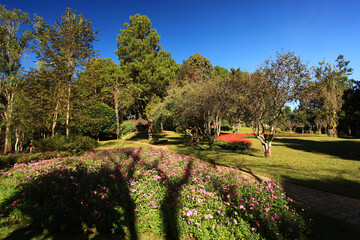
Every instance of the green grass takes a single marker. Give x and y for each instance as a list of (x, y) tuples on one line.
[(321, 162)]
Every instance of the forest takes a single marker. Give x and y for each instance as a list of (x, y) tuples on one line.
[(74, 94)]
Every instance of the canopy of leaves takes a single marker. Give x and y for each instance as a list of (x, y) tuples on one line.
[(196, 68), (150, 68)]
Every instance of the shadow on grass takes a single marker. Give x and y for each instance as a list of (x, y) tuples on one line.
[(77, 200), (66, 202), (169, 205), (143, 135), (333, 185), (349, 150)]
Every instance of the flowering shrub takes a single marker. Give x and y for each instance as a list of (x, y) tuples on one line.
[(233, 142), (133, 191)]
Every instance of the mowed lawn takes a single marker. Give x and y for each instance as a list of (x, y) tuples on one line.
[(329, 164)]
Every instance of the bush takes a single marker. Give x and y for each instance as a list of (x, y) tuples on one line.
[(135, 191), (233, 142), (127, 127), (9, 160), (234, 145), (72, 145)]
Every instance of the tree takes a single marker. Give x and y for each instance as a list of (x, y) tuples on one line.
[(221, 72), (196, 68), (349, 122), (150, 68), (198, 108), (261, 96), (64, 49), (104, 81), (12, 48), (331, 83)]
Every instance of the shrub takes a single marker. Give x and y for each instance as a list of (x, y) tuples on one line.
[(127, 127), (72, 145), (9, 160), (233, 142), (134, 191)]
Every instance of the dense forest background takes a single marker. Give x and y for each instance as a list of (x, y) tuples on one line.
[(72, 92)]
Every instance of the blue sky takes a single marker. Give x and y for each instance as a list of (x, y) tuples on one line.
[(230, 34)]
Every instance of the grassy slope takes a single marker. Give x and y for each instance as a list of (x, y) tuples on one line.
[(329, 164), (319, 162)]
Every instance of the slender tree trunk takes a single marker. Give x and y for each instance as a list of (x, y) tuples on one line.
[(150, 127), (116, 108), (8, 116), (17, 141), (68, 109), (56, 112), (7, 147)]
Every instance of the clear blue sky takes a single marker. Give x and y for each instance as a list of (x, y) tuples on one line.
[(230, 34)]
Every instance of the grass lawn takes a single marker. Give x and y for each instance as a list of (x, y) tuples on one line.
[(321, 162)]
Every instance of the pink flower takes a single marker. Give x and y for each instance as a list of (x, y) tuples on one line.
[(15, 202)]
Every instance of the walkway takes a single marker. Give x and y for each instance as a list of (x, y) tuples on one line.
[(330, 204)]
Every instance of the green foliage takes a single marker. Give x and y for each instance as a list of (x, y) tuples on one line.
[(73, 145), (9, 160), (150, 68), (127, 127), (196, 68), (98, 119), (350, 121), (233, 145), (331, 82), (221, 72), (13, 46)]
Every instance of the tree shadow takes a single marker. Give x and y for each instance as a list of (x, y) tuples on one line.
[(76, 201), (349, 150), (169, 205), (336, 185)]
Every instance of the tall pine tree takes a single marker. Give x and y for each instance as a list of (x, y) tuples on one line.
[(150, 68)]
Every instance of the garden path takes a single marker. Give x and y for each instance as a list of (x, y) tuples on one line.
[(329, 204)]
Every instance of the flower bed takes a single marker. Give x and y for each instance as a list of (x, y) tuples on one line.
[(133, 191), (233, 142)]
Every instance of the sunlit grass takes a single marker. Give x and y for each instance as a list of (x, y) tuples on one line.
[(329, 164)]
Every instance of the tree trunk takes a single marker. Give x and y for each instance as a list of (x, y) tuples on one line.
[(68, 109), (267, 149), (150, 126), (17, 141), (266, 144), (7, 147), (8, 116), (55, 118), (116, 108), (161, 126)]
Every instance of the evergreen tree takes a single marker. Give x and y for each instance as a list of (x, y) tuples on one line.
[(149, 68)]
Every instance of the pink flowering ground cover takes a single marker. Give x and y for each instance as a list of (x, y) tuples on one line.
[(134, 191)]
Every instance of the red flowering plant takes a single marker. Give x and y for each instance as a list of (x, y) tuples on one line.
[(233, 142)]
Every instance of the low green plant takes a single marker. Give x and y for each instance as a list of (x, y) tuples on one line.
[(72, 145), (127, 127)]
